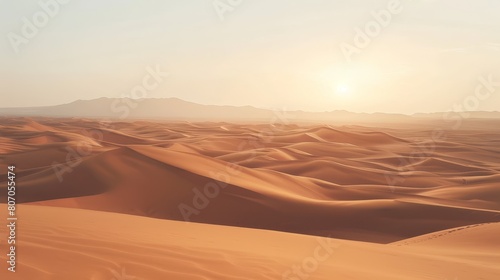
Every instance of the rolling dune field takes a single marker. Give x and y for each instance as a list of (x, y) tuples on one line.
[(218, 200)]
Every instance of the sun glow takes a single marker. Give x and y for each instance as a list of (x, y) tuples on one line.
[(342, 90), (342, 83)]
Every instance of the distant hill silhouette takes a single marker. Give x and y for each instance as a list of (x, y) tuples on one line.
[(177, 109)]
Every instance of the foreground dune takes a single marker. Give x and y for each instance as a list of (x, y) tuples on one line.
[(63, 243)]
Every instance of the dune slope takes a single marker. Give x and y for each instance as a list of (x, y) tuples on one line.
[(62, 243)]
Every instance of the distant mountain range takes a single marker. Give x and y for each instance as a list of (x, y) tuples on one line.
[(177, 109)]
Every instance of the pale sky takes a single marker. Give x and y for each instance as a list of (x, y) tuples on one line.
[(284, 54)]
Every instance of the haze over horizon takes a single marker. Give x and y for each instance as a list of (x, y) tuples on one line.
[(137, 102), (285, 54)]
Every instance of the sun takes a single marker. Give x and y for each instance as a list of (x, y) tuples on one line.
[(342, 90)]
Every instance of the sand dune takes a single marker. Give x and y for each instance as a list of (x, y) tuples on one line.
[(472, 237), (116, 181), (311, 180), (134, 247), (370, 184)]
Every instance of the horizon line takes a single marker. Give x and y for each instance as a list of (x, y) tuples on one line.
[(251, 106)]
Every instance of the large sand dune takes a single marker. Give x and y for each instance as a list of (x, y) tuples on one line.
[(369, 184), (62, 243)]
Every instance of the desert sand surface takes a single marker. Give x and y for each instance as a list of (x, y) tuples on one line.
[(415, 201), (63, 243)]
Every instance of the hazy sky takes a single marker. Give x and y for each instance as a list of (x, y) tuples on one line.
[(420, 56)]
